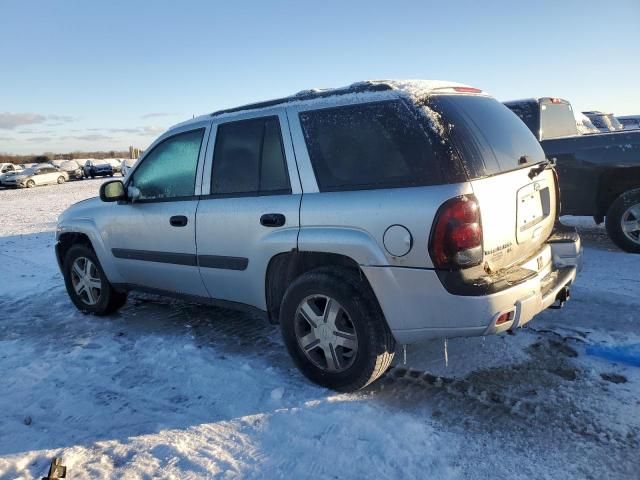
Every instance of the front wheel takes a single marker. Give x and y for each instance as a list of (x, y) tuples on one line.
[(87, 285), (31, 184), (60, 179), (334, 329), (623, 221)]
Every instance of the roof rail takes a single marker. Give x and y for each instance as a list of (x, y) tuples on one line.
[(360, 87)]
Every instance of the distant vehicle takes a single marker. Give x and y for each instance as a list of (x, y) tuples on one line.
[(352, 217), (98, 168), (605, 122), (630, 122), (72, 168), (7, 169), (39, 175), (127, 165), (599, 174), (585, 126), (115, 163)]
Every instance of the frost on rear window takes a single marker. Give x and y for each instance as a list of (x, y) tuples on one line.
[(374, 145)]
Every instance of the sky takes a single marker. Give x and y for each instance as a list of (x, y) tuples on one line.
[(78, 75)]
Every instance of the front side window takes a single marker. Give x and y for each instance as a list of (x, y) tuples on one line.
[(375, 145), (249, 159), (169, 170)]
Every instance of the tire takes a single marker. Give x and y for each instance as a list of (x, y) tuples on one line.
[(367, 344), (111, 174), (60, 180), (623, 221), (106, 299), (93, 176), (31, 184)]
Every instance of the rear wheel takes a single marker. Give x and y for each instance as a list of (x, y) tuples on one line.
[(60, 179), (623, 221), (334, 329), (87, 285), (31, 184)]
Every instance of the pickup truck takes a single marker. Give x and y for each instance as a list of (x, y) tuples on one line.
[(599, 174)]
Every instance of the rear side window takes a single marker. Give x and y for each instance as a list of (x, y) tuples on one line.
[(374, 145), (249, 159), (490, 138)]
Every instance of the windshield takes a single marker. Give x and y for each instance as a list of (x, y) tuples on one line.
[(490, 138)]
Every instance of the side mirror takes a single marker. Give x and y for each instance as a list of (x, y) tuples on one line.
[(112, 191)]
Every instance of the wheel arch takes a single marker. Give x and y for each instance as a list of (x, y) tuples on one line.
[(284, 268)]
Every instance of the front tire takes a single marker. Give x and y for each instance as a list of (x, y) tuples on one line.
[(60, 180), (334, 329), (31, 184), (87, 285), (623, 221)]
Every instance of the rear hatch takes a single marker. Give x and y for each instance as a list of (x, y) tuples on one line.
[(500, 155)]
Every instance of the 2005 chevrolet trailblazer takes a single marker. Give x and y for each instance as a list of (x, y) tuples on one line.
[(357, 217)]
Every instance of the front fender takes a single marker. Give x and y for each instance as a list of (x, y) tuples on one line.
[(88, 227)]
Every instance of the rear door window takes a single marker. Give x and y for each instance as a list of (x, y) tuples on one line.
[(249, 159), (489, 136), (367, 146)]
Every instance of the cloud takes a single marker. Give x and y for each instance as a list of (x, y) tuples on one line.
[(152, 130), (61, 118), (9, 121), (7, 139), (39, 139), (158, 114), (92, 137)]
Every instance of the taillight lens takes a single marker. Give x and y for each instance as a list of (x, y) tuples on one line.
[(456, 235)]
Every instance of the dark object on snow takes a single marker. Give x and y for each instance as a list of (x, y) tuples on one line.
[(27, 420), (56, 470), (613, 377)]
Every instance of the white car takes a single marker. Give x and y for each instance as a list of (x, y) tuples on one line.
[(127, 165), (8, 168), (39, 175)]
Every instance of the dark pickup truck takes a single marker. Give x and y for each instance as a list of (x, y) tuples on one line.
[(599, 173)]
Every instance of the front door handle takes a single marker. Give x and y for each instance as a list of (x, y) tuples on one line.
[(178, 221), (272, 220)]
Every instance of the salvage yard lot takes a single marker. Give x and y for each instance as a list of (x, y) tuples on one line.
[(174, 390)]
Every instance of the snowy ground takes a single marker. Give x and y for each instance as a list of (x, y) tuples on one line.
[(174, 390)]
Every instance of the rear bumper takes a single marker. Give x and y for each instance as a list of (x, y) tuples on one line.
[(418, 307)]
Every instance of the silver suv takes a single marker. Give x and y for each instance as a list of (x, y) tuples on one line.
[(355, 218)]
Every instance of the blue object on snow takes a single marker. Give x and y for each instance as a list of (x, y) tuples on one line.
[(629, 354)]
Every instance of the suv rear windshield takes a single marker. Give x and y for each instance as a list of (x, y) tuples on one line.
[(490, 138), (372, 145)]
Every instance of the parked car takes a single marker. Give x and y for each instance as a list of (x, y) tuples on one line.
[(387, 225), (115, 163), (72, 168), (630, 122), (7, 169), (127, 165), (97, 168), (605, 122), (599, 174), (39, 175)]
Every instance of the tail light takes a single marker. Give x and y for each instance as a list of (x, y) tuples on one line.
[(456, 235)]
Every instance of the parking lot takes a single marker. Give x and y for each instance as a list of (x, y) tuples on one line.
[(168, 388)]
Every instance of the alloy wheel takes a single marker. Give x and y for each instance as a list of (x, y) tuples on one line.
[(86, 280), (630, 223), (326, 333)]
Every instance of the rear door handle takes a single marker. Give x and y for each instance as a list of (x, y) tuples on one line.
[(178, 221), (272, 220)]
